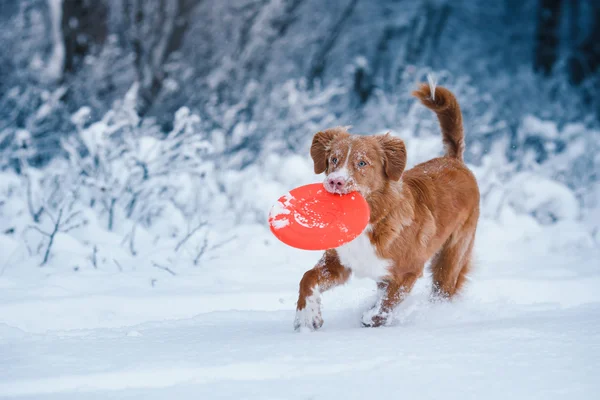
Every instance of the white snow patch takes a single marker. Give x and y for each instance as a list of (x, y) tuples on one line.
[(280, 223), (546, 199), (81, 116), (545, 129), (278, 209)]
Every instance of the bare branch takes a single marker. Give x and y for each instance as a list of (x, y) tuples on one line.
[(223, 243), (118, 264), (131, 241), (111, 213), (189, 235), (34, 214), (70, 228), (94, 257), (164, 268), (51, 237), (70, 217), (201, 252), (35, 228)]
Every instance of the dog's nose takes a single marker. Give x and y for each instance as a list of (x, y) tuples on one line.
[(337, 183)]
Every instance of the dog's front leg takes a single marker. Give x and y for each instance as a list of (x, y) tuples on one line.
[(325, 275), (391, 293)]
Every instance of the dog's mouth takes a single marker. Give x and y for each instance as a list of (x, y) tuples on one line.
[(336, 191), (348, 188)]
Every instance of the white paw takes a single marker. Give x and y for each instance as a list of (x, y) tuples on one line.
[(374, 318), (309, 318)]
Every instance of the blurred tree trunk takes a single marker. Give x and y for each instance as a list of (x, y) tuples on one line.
[(318, 63), (585, 59), (546, 41), (159, 27), (84, 28), (417, 43)]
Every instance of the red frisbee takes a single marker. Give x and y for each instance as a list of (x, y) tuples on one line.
[(311, 218)]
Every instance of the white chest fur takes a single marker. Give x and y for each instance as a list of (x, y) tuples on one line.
[(361, 257)]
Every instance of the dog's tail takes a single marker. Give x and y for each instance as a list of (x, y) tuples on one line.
[(444, 104)]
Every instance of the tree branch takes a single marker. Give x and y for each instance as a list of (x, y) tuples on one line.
[(189, 235), (35, 228), (164, 268), (51, 237), (201, 252)]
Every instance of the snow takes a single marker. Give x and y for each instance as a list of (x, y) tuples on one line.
[(546, 129), (548, 200), (277, 215), (280, 223), (279, 209), (303, 221), (81, 116)]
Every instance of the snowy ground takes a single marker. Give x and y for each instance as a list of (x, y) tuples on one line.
[(527, 327)]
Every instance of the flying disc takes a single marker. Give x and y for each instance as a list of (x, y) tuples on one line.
[(311, 218)]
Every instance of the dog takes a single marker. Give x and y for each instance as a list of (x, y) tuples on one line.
[(428, 212)]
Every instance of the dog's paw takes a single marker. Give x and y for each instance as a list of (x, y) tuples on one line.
[(438, 295), (374, 318), (310, 316), (307, 321)]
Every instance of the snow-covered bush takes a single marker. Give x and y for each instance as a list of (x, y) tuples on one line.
[(566, 158), (123, 190), (126, 193), (127, 165), (282, 119)]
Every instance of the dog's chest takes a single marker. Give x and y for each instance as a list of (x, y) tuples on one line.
[(361, 257)]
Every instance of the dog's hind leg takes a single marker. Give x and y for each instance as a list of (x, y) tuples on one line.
[(453, 262), (466, 264)]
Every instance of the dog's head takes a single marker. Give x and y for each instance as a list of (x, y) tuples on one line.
[(357, 163)]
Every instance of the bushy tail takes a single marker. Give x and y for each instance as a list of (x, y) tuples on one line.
[(444, 104)]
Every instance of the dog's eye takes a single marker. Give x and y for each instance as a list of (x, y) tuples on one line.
[(334, 160), (362, 163)]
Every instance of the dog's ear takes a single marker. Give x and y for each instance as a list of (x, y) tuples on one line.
[(394, 156), (321, 144)]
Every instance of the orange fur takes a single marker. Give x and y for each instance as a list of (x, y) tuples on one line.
[(428, 212)]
